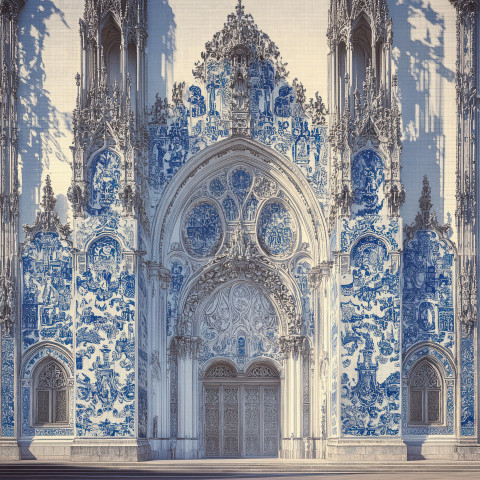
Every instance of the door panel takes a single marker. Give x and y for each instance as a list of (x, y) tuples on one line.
[(230, 422), (252, 421), (212, 421)]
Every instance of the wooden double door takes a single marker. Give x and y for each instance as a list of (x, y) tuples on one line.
[(241, 419)]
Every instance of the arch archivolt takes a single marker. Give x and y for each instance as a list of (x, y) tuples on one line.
[(190, 186), (256, 271)]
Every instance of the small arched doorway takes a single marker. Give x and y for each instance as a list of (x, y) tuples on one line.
[(241, 412)]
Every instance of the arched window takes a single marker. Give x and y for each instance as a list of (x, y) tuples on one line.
[(426, 395), (51, 394)]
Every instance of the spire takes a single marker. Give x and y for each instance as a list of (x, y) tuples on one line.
[(48, 199), (47, 219), (425, 219), (425, 201)]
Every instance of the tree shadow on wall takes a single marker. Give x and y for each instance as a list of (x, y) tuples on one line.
[(161, 49), (41, 125), (420, 62)]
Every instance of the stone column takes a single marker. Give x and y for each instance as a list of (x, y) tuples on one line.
[(318, 282), (9, 199), (467, 226), (159, 401), (186, 349), (293, 348)]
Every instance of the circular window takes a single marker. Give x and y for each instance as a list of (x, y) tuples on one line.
[(276, 229), (203, 230)]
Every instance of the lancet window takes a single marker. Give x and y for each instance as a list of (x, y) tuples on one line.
[(426, 395), (51, 394)]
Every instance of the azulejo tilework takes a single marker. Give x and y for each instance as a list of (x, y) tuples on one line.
[(370, 326), (367, 181), (276, 229), (104, 181), (47, 290), (105, 343), (467, 389), (239, 265), (203, 230), (8, 384), (428, 272), (369, 308)]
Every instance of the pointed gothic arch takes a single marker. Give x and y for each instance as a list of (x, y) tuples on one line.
[(225, 153)]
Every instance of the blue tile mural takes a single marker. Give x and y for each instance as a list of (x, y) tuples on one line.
[(467, 388), (369, 340), (105, 309), (428, 273), (367, 182), (276, 229), (105, 342), (104, 181), (47, 290), (7, 353), (203, 230), (278, 118)]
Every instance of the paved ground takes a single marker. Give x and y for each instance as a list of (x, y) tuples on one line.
[(271, 469), (72, 473)]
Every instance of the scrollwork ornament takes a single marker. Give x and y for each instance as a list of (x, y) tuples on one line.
[(241, 260)]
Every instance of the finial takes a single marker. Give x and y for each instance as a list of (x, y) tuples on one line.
[(48, 200), (425, 200), (240, 8)]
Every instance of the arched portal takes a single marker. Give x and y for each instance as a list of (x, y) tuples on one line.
[(239, 229)]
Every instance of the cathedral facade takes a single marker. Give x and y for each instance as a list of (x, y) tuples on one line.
[(232, 268)]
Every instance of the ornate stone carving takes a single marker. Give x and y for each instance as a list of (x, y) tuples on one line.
[(262, 371), (164, 275), (220, 371), (342, 13), (293, 345), (240, 36), (240, 261), (426, 219), (185, 346), (468, 294), (318, 273), (160, 111), (155, 365), (7, 297), (104, 113), (178, 92), (47, 218), (367, 114), (317, 110)]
